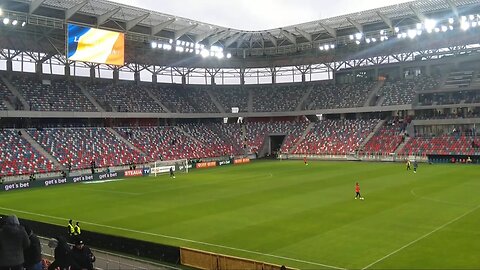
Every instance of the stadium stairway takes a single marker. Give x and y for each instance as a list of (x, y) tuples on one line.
[(374, 131), (152, 96), (373, 93), (114, 133), (301, 104), (89, 97), (305, 132), (215, 101), (15, 92), (41, 150), (402, 145), (250, 100)]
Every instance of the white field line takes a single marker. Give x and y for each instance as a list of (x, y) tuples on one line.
[(422, 237), (181, 239), (436, 200)]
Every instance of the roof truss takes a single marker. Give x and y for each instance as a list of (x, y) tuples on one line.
[(71, 11), (101, 19), (356, 24), (159, 27), (183, 31), (289, 36), (130, 24), (329, 29), (34, 5)]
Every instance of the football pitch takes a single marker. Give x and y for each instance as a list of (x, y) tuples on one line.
[(284, 212)]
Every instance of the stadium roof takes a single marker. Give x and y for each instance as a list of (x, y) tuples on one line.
[(125, 18)]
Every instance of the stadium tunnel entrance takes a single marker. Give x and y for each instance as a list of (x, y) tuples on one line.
[(272, 146)]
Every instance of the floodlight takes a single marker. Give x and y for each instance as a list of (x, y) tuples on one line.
[(205, 53), (374, 40), (463, 18), (450, 27), (229, 55), (6, 20), (412, 33), (197, 46), (357, 42), (197, 51), (220, 55), (179, 42), (382, 32), (321, 47), (463, 25), (358, 35), (367, 40), (471, 17), (326, 47), (397, 29), (404, 35), (450, 20), (399, 35), (474, 24), (351, 37), (160, 45), (437, 29), (24, 23), (430, 24), (154, 44), (419, 26), (170, 41), (332, 46), (1, 11), (444, 28), (419, 32), (382, 38), (14, 22)]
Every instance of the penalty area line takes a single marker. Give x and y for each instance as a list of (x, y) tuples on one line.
[(180, 239)]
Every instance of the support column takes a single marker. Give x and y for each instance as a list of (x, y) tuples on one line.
[(212, 79), (136, 77), (184, 79), (67, 71), (428, 70), (242, 76), (39, 69), (92, 73), (9, 65), (154, 78), (116, 75)]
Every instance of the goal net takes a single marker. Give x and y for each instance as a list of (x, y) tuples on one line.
[(163, 166)]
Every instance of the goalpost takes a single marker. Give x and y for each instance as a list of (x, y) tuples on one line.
[(163, 166)]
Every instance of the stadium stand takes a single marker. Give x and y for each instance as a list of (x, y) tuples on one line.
[(232, 96), (4, 96), (173, 96), (279, 98), (52, 95), (124, 97), (441, 145), (335, 137), (385, 140), (80, 146), (19, 157), (329, 96)]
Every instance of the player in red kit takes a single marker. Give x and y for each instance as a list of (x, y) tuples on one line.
[(305, 160), (357, 192)]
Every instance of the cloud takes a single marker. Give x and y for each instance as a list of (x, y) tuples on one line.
[(254, 15)]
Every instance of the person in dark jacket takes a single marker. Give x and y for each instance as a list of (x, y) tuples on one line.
[(13, 241), (62, 255), (83, 257), (33, 254)]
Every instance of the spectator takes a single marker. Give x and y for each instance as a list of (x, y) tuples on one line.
[(13, 241), (82, 256), (33, 254), (62, 255)]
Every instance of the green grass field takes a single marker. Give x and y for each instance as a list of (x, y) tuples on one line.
[(286, 213)]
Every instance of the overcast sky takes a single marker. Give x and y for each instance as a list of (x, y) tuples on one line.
[(258, 14)]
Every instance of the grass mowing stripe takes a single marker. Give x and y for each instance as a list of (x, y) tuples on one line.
[(422, 237), (180, 239)]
